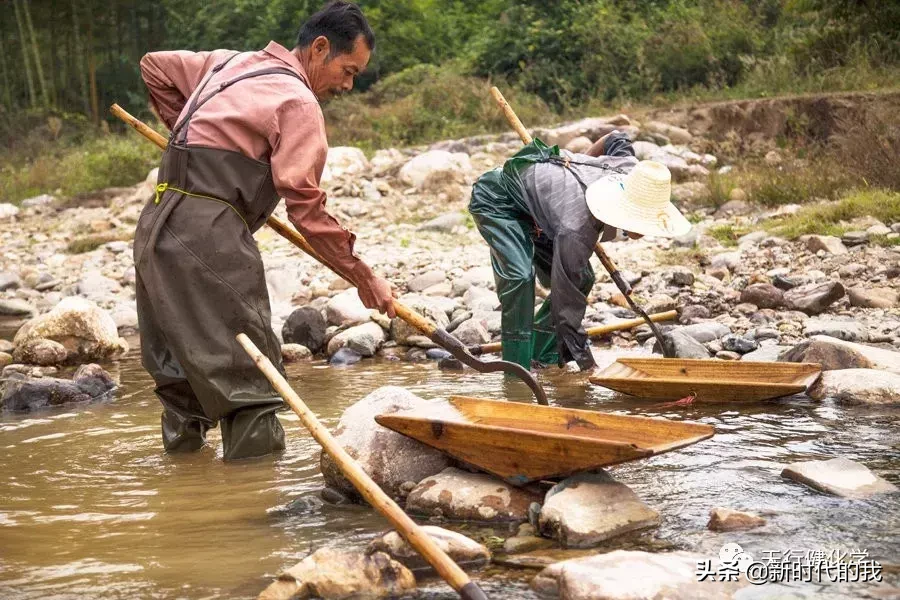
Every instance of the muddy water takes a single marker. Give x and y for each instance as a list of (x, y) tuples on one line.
[(91, 508)]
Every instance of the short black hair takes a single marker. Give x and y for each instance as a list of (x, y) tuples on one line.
[(339, 21)]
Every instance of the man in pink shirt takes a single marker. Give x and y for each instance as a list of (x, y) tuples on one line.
[(246, 129)]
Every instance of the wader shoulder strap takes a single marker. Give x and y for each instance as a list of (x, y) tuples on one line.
[(193, 107), (182, 128)]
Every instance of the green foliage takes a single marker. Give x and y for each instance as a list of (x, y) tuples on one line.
[(832, 218), (424, 103), (94, 163), (727, 235)]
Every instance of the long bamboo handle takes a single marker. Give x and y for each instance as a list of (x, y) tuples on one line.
[(600, 329), (511, 116), (283, 228), (411, 532)]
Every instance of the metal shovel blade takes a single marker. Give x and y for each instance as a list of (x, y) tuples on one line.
[(462, 354)]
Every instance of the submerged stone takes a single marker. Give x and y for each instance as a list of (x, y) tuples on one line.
[(464, 551), (840, 477)]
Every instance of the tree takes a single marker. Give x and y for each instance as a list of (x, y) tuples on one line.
[(31, 93), (37, 57)]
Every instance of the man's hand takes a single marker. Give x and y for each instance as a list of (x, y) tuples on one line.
[(377, 293)]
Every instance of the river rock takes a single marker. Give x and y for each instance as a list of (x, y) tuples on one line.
[(738, 344), (344, 160), (42, 200), (294, 352), (430, 307), (632, 575), (472, 333), (727, 260), (7, 210), (462, 496), (445, 223), (126, 319), (365, 339), (706, 331), (390, 459), (40, 352), (464, 551), (340, 574), (873, 297), (434, 163), (477, 276), (840, 477), (814, 298), (90, 382), (684, 345), (827, 243), (306, 326), (344, 357), (95, 286), (763, 295), (424, 281), (87, 331), (9, 281), (692, 312), (849, 331), (589, 508), (834, 354), (726, 519), (16, 308), (481, 299), (346, 309), (858, 386), (765, 354)]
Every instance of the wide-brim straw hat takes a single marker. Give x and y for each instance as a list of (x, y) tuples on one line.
[(639, 202)]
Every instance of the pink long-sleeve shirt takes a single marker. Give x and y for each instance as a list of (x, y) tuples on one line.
[(272, 118)]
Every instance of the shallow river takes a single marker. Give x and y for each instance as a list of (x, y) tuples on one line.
[(90, 507)]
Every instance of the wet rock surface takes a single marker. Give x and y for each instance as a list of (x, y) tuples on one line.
[(389, 458), (590, 508), (459, 495), (629, 575), (464, 551), (840, 477), (22, 393), (339, 574)]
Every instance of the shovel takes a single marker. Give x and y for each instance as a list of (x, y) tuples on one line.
[(665, 343), (426, 327), (411, 532)]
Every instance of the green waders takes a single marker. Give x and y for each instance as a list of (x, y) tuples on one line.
[(518, 253), (200, 281)]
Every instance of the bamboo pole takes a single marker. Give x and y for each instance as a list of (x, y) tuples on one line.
[(374, 495), (592, 332)]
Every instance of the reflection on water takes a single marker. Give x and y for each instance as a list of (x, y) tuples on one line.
[(90, 507)]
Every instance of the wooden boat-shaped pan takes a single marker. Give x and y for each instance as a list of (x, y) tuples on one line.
[(707, 379), (526, 442)]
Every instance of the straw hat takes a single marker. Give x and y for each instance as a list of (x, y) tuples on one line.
[(638, 202)]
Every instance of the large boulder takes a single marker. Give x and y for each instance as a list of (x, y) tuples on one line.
[(826, 243), (706, 331), (305, 326), (834, 354), (389, 458), (585, 510), (631, 575), (858, 386), (90, 383), (462, 496), (40, 352), (346, 309), (344, 160), (683, 345), (879, 297), (14, 307), (840, 477), (339, 574), (472, 332), (85, 330), (434, 164), (464, 551), (365, 339)]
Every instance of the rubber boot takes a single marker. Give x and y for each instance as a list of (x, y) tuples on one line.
[(252, 432)]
